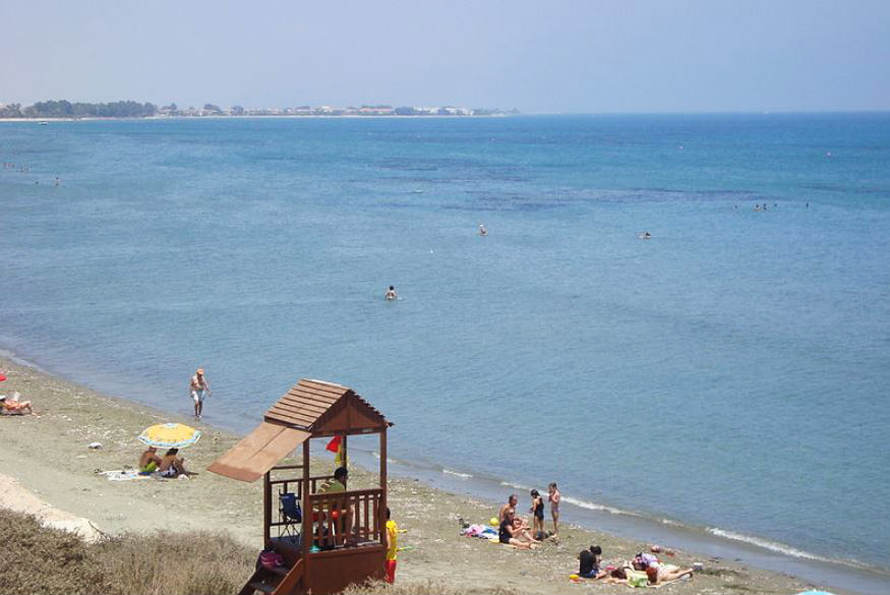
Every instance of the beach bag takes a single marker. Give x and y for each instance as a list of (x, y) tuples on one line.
[(271, 560)]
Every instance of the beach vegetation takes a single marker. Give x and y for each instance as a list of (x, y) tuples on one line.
[(65, 109), (52, 561)]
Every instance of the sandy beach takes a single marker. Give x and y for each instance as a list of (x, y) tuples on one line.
[(48, 469)]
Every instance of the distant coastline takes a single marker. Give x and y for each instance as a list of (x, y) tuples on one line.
[(66, 110)]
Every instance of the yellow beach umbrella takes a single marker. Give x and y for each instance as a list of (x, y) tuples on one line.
[(170, 435)]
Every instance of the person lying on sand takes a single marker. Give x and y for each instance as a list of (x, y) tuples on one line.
[(172, 465), (665, 573), (507, 534), (149, 461), (626, 575), (12, 405)]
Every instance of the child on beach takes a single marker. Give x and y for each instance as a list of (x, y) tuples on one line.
[(537, 510), (554, 499), (392, 547)]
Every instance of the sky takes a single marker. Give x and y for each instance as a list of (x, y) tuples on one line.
[(545, 56)]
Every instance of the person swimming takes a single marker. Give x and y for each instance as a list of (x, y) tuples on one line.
[(391, 293), (482, 230), (645, 236)]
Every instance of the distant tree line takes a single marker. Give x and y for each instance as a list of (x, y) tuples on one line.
[(66, 109)]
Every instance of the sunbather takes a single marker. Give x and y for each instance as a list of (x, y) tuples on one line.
[(149, 461), (665, 573), (507, 534), (172, 465), (626, 575), (12, 406)]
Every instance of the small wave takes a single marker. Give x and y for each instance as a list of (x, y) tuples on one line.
[(766, 544), (456, 474), (376, 455), (515, 486), (594, 506)]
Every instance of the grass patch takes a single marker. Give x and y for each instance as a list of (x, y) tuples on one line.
[(54, 562)]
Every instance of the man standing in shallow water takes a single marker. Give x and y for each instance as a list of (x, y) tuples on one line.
[(199, 389)]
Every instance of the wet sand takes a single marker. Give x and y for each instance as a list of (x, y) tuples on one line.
[(50, 470)]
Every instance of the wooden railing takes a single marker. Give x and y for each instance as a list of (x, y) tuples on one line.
[(346, 518), (277, 487)]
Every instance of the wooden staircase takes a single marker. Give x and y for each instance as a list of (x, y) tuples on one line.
[(278, 581)]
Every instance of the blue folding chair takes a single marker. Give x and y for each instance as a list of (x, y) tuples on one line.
[(291, 513)]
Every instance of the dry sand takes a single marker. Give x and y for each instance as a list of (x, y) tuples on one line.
[(49, 470)]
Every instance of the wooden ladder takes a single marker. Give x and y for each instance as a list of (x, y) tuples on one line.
[(278, 581)]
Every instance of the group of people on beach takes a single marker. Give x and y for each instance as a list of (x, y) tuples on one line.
[(170, 465), (514, 530), (644, 570)]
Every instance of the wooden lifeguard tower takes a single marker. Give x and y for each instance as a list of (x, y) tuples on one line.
[(340, 538)]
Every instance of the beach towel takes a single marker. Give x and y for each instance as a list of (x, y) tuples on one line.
[(123, 475)]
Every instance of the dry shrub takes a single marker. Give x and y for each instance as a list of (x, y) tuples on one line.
[(49, 561), (196, 563), (36, 559)]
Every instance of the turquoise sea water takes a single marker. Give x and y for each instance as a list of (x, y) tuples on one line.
[(730, 375)]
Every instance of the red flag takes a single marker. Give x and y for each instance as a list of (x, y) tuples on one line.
[(2, 377), (334, 444)]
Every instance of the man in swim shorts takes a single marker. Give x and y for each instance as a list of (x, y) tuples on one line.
[(199, 389)]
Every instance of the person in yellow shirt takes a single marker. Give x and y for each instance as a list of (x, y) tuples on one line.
[(392, 547), (340, 511)]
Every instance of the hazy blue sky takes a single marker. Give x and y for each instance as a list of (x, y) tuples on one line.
[(546, 56)]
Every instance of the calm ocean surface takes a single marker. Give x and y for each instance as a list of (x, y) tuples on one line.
[(730, 375)]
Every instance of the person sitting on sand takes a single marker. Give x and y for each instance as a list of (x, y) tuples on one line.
[(590, 563), (149, 461), (519, 524), (665, 573), (512, 501), (391, 294), (172, 465), (507, 534)]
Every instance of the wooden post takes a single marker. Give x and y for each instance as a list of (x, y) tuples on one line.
[(307, 509), (267, 509), (382, 512)]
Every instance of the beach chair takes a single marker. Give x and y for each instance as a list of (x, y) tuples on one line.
[(290, 512)]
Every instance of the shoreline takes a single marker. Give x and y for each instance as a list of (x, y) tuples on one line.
[(252, 117), (47, 455)]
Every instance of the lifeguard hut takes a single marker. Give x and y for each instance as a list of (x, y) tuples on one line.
[(328, 540)]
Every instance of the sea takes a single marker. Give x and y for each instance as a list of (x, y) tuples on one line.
[(721, 386)]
